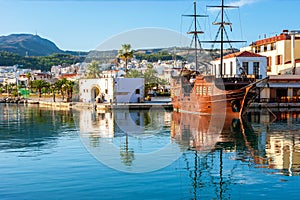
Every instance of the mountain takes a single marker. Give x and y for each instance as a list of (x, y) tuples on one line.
[(28, 44)]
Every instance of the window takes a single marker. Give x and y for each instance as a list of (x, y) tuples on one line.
[(269, 63), (245, 67), (197, 89), (261, 48), (257, 49), (137, 91), (106, 91), (209, 90), (273, 46), (224, 69), (278, 60), (256, 69), (231, 68), (204, 90)]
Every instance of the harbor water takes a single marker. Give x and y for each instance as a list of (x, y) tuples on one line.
[(147, 154)]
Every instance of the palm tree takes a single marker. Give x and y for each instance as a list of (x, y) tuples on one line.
[(28, 76), (69, 85), (93, 70), (53, 88), (151, 79), (39, 85), (60, 86), (125, 54), (126, 153), (134, 74)]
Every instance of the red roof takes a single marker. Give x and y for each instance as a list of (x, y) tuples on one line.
[(272, 39), (68, 75), (241, 54)]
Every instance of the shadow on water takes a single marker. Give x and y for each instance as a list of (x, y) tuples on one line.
[(28, 128)]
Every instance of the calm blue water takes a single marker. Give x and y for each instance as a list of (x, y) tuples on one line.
[(47, 154)]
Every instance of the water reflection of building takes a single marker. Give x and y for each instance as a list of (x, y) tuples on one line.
[(283, 152), (97, 125), (120, 122), (129, 140), (280, 138)]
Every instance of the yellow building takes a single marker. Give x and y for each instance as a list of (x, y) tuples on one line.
[(283, 67), (282, 52)]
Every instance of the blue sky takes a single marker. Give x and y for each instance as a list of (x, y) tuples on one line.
[(85, 25)]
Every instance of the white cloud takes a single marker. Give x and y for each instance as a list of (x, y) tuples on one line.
[(238, 3), (241, 3)]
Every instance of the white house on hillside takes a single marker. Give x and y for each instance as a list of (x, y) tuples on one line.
[(236, 64), (112, 90)]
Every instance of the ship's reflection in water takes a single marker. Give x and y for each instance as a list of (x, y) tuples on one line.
[(262, 139)]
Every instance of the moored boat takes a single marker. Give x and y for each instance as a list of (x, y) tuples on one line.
[(197, 93)]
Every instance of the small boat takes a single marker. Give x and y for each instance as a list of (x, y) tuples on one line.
[(205, 94)]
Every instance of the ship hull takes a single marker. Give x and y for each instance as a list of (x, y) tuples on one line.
[(207, 96)]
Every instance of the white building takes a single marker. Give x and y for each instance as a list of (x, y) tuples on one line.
[(113, 73), (235, 64), (112, 90)]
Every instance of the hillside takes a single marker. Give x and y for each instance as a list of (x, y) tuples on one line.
[(28, 44)]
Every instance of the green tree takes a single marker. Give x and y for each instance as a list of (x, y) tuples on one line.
[(125, 54), (151, 79), (28, 76), (60, 86), (93, 70), (53, 90), (133, 73), (39, 85), (69, 86)]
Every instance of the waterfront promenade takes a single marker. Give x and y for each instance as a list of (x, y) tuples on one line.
[(156, 103), (60, 104)]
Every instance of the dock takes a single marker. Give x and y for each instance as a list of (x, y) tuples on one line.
[(103, 106)]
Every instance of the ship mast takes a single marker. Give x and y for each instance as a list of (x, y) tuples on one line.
[(222, 32), (195, 32)]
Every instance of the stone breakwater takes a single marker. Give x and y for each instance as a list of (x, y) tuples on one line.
[(13, 100)]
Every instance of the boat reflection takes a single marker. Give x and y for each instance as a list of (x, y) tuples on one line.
[(207, 132), (219, 155)]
